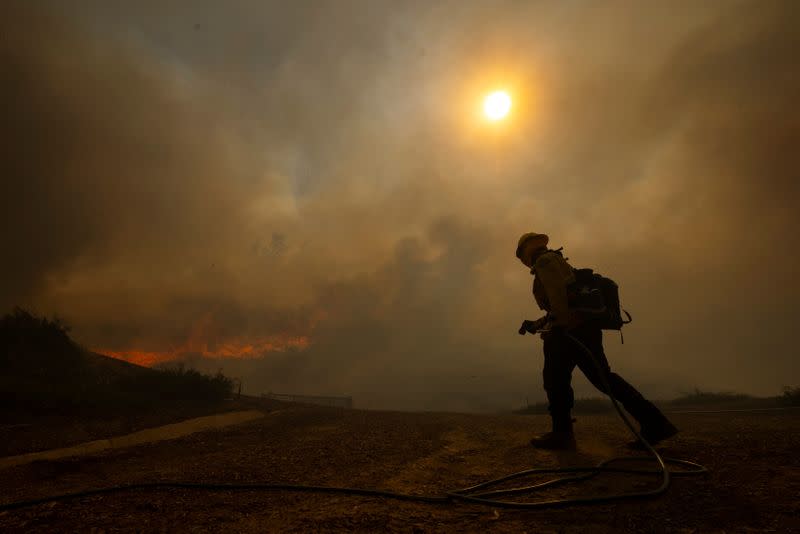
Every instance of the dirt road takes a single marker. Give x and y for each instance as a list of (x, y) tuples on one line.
[(753, 485), (146, 436)]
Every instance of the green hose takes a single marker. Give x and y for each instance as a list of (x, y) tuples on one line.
[(479, 494)]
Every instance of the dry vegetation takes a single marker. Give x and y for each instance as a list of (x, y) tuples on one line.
[(56, 393), (46, 373)]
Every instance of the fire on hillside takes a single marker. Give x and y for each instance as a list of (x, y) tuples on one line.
[(206, 341), (226, 349)]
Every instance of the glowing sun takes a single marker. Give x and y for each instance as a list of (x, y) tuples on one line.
[(496, 105)]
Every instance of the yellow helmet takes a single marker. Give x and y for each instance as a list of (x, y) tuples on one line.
[(528, 243)]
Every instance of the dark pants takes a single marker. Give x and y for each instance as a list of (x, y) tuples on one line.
[(562, 354)]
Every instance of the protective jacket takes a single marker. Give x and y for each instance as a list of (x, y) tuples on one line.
[(552, 276)]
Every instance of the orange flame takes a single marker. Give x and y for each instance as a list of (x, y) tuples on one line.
[(202, 342), (229, 349)]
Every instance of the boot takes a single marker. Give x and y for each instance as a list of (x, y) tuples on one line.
[(659, 432), (655, 433), (561, 438)]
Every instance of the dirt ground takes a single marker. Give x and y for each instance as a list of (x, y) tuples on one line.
[(40, 433), (753, 485)]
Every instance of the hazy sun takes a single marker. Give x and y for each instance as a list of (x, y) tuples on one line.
[(496, 105)]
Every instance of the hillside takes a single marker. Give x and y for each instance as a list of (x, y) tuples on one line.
[(45, 372), (38, 356)]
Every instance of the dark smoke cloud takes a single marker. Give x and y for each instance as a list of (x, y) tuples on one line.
[(313, 169)]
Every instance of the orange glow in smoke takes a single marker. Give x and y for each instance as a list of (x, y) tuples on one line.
[(227, 349), (202, 341)]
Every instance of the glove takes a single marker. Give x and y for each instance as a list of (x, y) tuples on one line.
[(532, 326)]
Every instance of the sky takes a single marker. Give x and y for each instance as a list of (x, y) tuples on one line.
[(306, 196)]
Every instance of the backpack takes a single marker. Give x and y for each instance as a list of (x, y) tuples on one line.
[(596, 298)]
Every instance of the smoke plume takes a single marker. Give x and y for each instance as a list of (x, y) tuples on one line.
[(302, 195)]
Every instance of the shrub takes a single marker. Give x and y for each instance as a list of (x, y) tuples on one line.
[(23, 333), (38, 351), (45, 371), (178, 383), (791, 396)]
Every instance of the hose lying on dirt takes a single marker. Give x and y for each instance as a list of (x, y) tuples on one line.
[(480, 493)]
